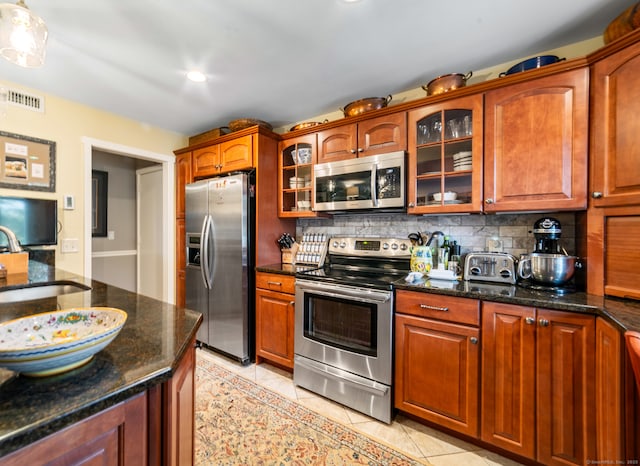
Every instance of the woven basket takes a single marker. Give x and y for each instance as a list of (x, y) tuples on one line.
[(208, 135), (242, 123)]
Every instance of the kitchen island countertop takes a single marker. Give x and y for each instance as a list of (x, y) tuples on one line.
[(144, 354), (625, 313)]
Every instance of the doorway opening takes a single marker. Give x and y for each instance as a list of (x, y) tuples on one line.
[(166, 205)]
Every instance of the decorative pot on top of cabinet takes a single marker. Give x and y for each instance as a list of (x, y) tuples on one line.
[(536, 142), (378, 135), (445, 156)]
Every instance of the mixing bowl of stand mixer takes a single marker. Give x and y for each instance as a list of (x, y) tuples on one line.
[(548, 264)]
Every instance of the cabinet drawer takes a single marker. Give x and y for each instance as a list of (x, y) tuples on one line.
[(276, 282), (448, 308)]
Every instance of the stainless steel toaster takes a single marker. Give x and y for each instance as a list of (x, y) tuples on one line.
[(499, 267)]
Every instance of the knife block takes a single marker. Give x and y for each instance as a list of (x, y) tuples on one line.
[(289, 255), (15, 263)]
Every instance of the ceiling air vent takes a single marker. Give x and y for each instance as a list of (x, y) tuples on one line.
[(24, 100)]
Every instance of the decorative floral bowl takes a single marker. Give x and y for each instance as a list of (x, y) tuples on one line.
[(58, 341)]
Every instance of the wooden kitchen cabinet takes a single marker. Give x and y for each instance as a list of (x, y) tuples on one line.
[(445, 154), (155, 427), (227, 156), (373, 136), (615, 153), (116, 436), (613, 220), (292, 166), (536, 144), (437, 359), (183, 177), (609, 393), (538, 392), (275, 314)]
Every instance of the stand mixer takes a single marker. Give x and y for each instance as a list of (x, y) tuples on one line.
[(547, 267)]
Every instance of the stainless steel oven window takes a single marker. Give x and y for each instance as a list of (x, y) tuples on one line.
[(341, 323)]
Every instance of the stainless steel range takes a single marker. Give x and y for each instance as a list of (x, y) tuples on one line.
[(344, 323)]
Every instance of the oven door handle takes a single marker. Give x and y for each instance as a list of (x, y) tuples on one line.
[(342, 376), (355, 294)]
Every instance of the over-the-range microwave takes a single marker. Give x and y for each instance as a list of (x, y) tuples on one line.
[(373, 182)]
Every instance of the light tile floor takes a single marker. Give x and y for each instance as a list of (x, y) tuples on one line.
[(403, 434)]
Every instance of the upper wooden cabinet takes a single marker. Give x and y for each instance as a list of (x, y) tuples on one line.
[(236, 154), (387, 133), (536, 137), (445, 154), (615, 152), (296, 157)]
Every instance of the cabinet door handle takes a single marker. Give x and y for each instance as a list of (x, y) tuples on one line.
[(488, 201), (353, 151), (473, 340), (529, 320), (596, 194), (292, 303), (434, 308), (411, 204), (274, 283), (544, 323), (360, 149)]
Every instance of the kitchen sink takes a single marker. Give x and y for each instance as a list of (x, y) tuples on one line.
[(41, 290)]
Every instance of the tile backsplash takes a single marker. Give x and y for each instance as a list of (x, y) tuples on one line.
[(513, 232)]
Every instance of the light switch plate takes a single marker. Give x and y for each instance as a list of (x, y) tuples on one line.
[(69, 245), (69, 202)]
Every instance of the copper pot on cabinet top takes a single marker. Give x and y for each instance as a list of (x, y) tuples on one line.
[(365, 105), (446, 83)]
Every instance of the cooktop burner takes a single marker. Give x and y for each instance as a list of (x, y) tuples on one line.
[(364, 262), (568, 288)]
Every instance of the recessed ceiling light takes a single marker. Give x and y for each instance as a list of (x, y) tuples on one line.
[(196, 76)]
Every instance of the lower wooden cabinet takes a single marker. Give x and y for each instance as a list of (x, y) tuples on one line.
[(275, 314), (538, 391), (437, 360), (154, 428)]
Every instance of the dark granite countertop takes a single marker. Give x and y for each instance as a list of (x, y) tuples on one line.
[(625, 313), (283, 269), (144, 354)]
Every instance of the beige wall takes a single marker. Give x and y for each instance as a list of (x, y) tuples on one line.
[(577, 50), (66, 123)]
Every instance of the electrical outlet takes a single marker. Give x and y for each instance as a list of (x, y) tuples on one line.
[(494, 245), (111, 235), (70, 245)]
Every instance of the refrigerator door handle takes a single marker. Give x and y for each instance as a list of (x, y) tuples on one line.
[(204, 257), (210, 267)]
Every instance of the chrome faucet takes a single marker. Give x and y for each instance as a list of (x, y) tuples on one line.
[(14, 244)]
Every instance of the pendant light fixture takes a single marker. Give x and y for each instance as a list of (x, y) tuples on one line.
[(23, 35)]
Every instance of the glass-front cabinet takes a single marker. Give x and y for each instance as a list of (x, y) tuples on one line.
[(295, 162), (445, 157)]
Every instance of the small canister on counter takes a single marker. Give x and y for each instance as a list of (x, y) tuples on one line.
[(421, 259)]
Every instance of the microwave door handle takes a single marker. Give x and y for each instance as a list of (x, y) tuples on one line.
[(374, 184)]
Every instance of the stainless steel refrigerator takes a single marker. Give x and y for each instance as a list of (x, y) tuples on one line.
[(219, 223)]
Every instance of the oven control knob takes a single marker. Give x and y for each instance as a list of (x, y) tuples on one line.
[(343, 244), (385, 246), (403, 247), (394, 246)]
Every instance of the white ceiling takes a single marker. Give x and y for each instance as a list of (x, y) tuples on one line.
[(282, 61)]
